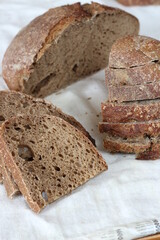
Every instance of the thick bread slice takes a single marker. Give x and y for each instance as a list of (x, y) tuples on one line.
[(14, 103), (134, 93), (144, 148), (64, 45), (121, 145), (133, 76), (130, 111), (139, 2), (131, 129), (47, 157)]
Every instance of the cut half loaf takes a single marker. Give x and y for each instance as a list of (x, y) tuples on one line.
[(14, 103), (47, 157), (64, 45), (139, 111)]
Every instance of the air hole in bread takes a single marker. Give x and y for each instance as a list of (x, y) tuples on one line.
[(17, 128), (57, 168), (25, 153), (44, 195), (74, 69), (2, 119), (27, 127)]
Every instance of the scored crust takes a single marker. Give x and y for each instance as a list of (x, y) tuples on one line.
[(58, 159)]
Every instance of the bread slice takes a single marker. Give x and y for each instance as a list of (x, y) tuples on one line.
[(138, 75), (15, 103), (144, 148), (139, 2), (134, 93), (131, 129), (47, 157), (139, 111), (122, 145), (67, 43)]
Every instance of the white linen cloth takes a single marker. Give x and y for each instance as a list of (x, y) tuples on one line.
[(128, 192)]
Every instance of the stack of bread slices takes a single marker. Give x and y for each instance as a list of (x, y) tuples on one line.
[(131, 115), (44, 153)]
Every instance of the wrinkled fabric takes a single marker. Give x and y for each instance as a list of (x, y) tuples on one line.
[(128, 192)]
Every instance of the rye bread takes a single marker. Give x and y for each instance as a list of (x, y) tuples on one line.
[(67, 43), (131, 129), (134, 93), (15, 103), (139, 2), (144, 148), (139, 75), (134, 51), (47, 157), (122, 145), (130, 111), (134, 69)]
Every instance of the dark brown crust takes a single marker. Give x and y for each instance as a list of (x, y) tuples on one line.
[(132, 111), (153, 153), (16, 173), (31, 42), (133, 93), (131, 130), (139, 2)]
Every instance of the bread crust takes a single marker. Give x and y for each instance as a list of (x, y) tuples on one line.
[(133, 51), (130, 111), (139, 2), (31, 42)]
